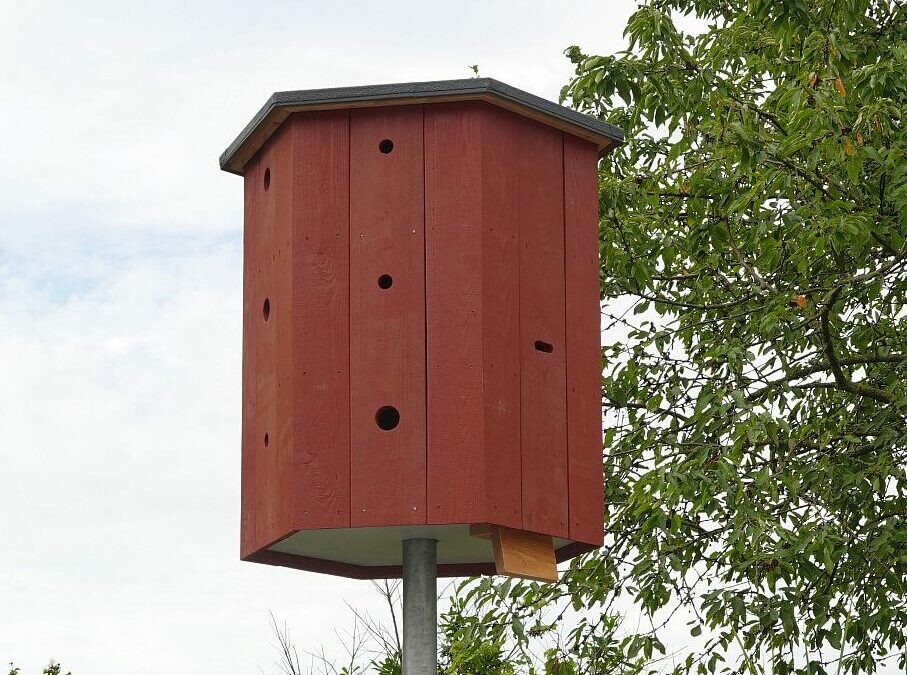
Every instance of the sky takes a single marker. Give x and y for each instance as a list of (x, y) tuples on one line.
[(120, 304)]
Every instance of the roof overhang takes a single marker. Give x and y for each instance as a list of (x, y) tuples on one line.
[(285, 103)]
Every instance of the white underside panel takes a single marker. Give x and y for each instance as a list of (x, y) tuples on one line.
[(371, 546)]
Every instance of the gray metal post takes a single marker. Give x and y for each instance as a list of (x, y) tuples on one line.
[(420, 607)]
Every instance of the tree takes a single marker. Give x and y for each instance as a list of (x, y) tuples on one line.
[(374, 645), (52, 668), (754, 270), (371, 646)]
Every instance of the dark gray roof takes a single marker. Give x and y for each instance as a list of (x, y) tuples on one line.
[(284, 103)]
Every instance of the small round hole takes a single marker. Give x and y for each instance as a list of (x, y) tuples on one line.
[(266, 309), (542, 346), (387, 417), (267, 180), (386, 146), (266, 440), (385, 281)]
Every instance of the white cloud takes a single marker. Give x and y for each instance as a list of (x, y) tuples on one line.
[(120, 425)]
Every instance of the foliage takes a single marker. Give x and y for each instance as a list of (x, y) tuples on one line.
[(389, 664), (463, 655), (52, 668), (754, 270), (522, 622)]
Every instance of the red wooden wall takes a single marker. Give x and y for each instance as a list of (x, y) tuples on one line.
[(268, 493), (321, 319), (387, 348), (453, 262), (486, 341), (584, 428)]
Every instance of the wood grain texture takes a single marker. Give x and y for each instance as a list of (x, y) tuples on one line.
[(387, 326), (501, 316), (521, 554), (539, 167), (584, 415), (454, 291), (267, 489), (321, 337)]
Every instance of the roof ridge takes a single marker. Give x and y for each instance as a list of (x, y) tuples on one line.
[(282, 104)]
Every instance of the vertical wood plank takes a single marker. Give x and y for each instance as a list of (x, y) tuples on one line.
[(387, 326), (584, 427), (267, 490), (453, 231), (501, 316), (542, 320), (321, 308)]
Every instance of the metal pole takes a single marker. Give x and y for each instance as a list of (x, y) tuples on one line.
[(420, 607)]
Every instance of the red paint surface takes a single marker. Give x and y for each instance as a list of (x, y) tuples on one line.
[(487, 223), (584, 429), (501, 320), (453, 213), (321, 319), (267, 492), (387, 326), (543, 384)]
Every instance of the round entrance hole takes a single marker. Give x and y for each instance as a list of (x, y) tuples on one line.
[(267, 180), (266, 440), (386, 146), (266, 309), (387, 417), (385, 281)]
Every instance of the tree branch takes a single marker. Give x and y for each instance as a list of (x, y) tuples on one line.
[(806, 371), (845, 383)]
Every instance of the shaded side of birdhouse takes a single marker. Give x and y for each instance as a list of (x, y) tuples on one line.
[(514, 402)]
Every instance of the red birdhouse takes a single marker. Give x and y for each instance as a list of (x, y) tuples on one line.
[(420, 328)]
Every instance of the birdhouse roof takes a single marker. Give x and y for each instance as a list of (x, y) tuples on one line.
[(282, 104)]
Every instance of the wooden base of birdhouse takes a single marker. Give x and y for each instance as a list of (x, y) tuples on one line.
[(463, 550)]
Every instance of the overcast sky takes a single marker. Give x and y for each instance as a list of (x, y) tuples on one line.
[(120, 303)]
